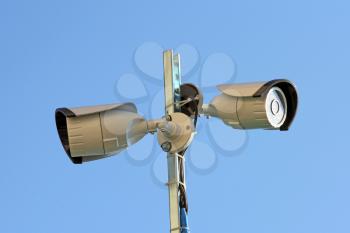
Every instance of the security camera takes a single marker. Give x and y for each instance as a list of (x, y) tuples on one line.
[(267, 105), (91, 133)]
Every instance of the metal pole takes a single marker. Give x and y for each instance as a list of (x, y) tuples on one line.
[(172, 82)]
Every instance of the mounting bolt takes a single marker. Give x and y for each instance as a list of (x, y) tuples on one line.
[(168, 118), (166, 146)]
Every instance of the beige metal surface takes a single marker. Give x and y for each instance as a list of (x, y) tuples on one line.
[(90, 133), (239, 108), (240, 90), (81, 111), (178, 132)]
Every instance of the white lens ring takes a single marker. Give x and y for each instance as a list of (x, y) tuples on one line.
[(276, 107)]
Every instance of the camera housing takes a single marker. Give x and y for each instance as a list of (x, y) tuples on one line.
[(96, 132), (266, 105)]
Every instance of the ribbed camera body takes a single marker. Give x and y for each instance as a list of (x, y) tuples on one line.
[(90, 133), (266, 105)]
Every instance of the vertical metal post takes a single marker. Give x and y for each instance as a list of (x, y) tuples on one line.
[(172, 82)]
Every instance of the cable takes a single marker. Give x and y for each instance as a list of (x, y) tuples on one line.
[(183, 194)]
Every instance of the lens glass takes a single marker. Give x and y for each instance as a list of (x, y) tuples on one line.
[(276, 107)]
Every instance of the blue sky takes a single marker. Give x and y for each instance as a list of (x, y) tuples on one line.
[(70, 53)]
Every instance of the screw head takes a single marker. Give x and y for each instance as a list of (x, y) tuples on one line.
[(166, 146), (168, 118)]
